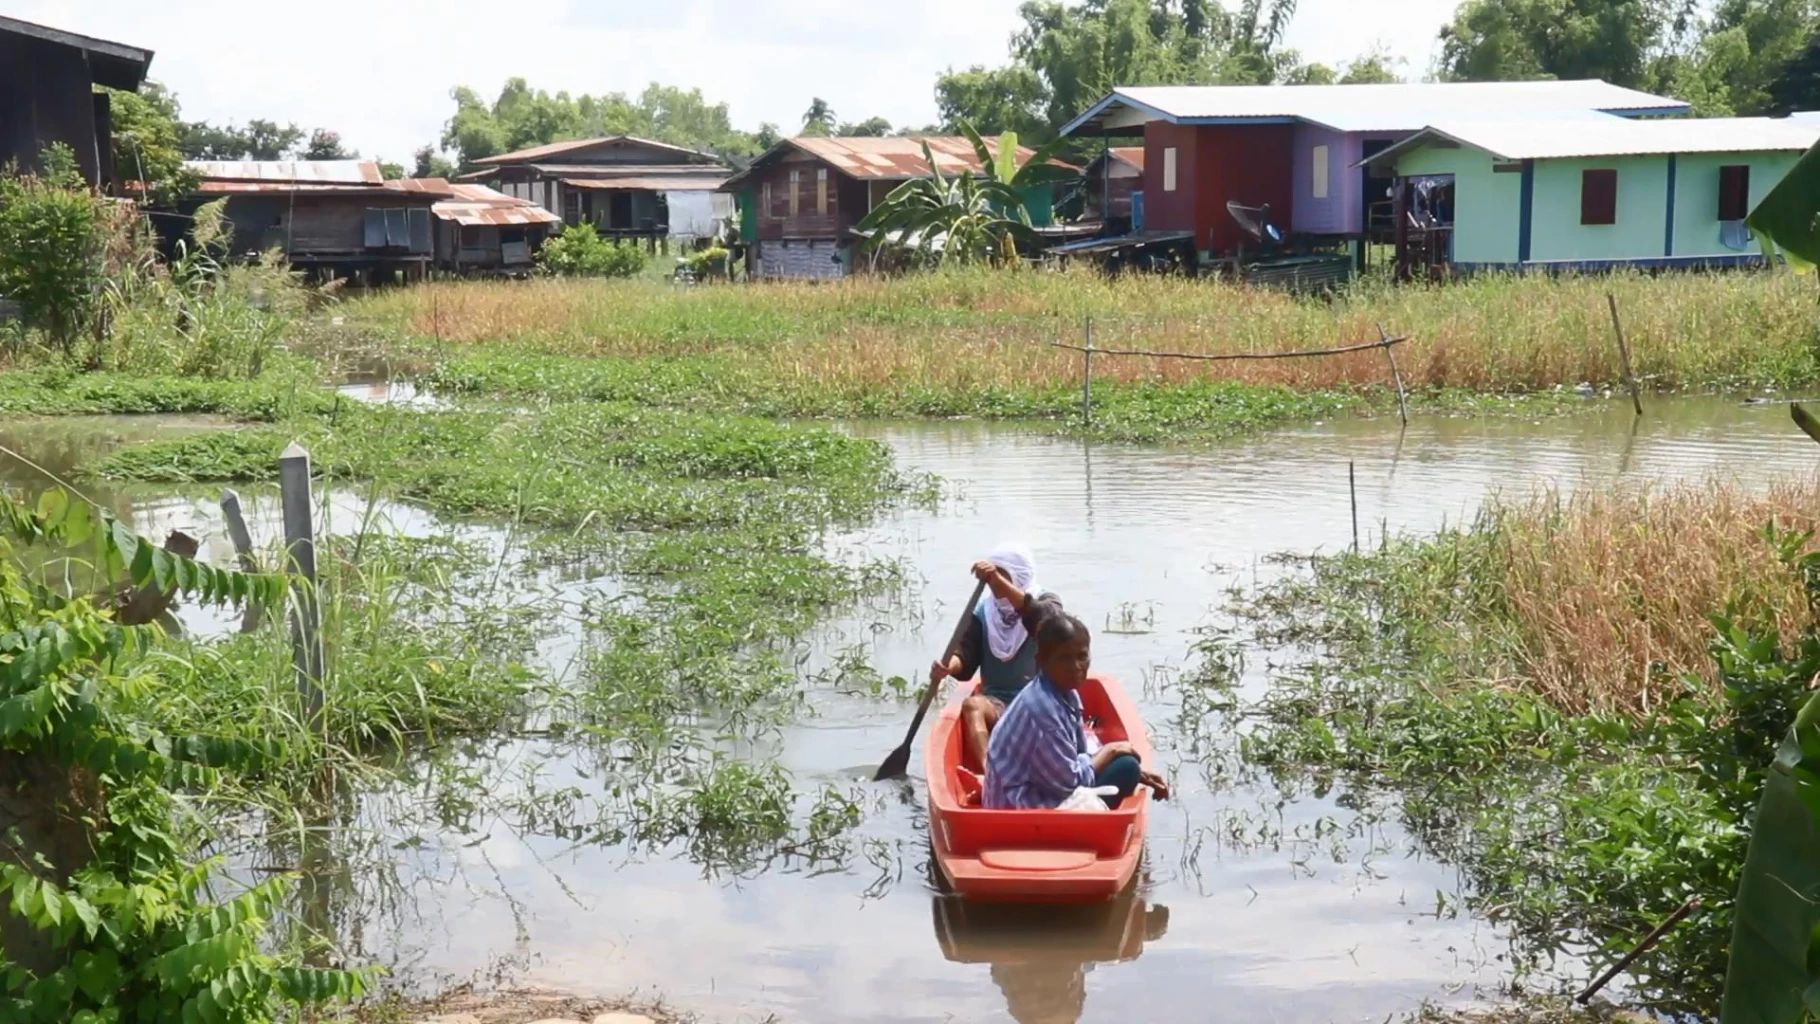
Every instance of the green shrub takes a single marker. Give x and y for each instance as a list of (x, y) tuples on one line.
[(50, 246), (580, 252), (107, 915), (704, 262)]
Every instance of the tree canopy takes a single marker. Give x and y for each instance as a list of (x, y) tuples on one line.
[(521, 117)]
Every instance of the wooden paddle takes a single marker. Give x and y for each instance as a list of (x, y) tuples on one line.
[(900, 758)]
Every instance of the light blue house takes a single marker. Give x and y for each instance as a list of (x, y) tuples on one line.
[(1586, 192)]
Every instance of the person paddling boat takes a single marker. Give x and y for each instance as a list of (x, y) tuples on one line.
[(1000, 643)]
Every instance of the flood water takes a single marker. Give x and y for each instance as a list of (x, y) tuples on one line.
[(1251, 909)]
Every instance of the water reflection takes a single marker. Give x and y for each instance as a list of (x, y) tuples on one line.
[(1039, 955)]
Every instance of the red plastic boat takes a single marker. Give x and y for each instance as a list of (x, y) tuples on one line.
[(1035, 856)]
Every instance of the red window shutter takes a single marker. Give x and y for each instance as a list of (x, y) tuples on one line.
[(1599, 196), (1734, 192)]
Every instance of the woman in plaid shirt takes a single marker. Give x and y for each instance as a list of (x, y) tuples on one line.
[(1037, 756)]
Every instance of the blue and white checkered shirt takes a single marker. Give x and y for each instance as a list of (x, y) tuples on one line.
[(1037, 755)]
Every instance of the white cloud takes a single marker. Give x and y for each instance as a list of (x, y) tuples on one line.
[(380, 73)]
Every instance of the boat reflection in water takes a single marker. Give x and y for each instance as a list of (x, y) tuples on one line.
[(1039, 954)]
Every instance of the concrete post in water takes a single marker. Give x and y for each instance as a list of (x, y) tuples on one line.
[(243, 552), (300, 552), (1087, 378), (1630, 379)]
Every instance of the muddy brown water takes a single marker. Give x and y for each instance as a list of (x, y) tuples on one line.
[(1251, 908)]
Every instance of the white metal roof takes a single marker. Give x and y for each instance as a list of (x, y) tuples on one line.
[(1516, 139), (1389, 107), (315, 172)]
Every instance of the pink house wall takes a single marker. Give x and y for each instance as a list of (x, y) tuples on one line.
[(1343, 211)]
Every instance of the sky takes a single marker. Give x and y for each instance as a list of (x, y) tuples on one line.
[(380, 72)]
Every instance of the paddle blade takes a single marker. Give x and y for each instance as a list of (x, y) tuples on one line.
[(894, 766)]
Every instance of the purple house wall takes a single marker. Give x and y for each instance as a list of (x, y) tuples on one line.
[(1342, 212)]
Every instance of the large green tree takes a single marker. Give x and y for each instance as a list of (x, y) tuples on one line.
[(521, 117), (1064, 57), (1511, 40), (147, 140)]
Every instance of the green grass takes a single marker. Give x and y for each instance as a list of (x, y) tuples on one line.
[(288, 390)]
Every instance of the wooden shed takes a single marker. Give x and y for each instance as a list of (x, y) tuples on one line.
[(627, 187), (332, 218), (800, 200), (48, 79), (481, 230), (1111, 180)]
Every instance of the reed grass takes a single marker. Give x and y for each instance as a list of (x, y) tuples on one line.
[(974, 330), (1594, 602)]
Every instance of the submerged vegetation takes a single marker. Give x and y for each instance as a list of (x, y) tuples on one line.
[(1573, 699)]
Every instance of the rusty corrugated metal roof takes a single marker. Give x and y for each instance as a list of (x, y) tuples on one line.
[(484, 194), (556, 148), (481, 215), (428, 188), (892, 158), (312, 172), (653, 183), (478, 206), (889, 158)]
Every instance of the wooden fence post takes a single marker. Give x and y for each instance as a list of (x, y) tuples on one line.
[(1396, 375), (300, 551), (1352, 489), (1087, 378), (1630, 379), (243, 553)]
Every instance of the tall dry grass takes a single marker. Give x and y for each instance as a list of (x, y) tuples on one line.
[(973, 328), (1611, 594)]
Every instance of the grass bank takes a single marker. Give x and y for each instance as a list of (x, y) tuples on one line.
[(980, 331), (1572, 699)]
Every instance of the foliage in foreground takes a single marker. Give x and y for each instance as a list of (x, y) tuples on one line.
[(1569, 828), (106, 918)]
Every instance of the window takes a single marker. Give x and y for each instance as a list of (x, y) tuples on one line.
[(796, 178), (1734, 192), (821, 190), (764, 202), (1599, 196), (1169, 169), (1320, 172), (470, 236)]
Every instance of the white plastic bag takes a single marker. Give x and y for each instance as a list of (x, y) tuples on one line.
[(1088, 799)]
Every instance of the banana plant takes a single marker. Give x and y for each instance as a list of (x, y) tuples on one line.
[(1773, 972), (941, 218), (1789, 217)]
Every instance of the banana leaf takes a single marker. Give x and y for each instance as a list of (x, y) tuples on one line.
[(1789, 216), (1778, 906)]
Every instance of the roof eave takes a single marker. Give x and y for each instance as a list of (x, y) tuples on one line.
[(133, 60)]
